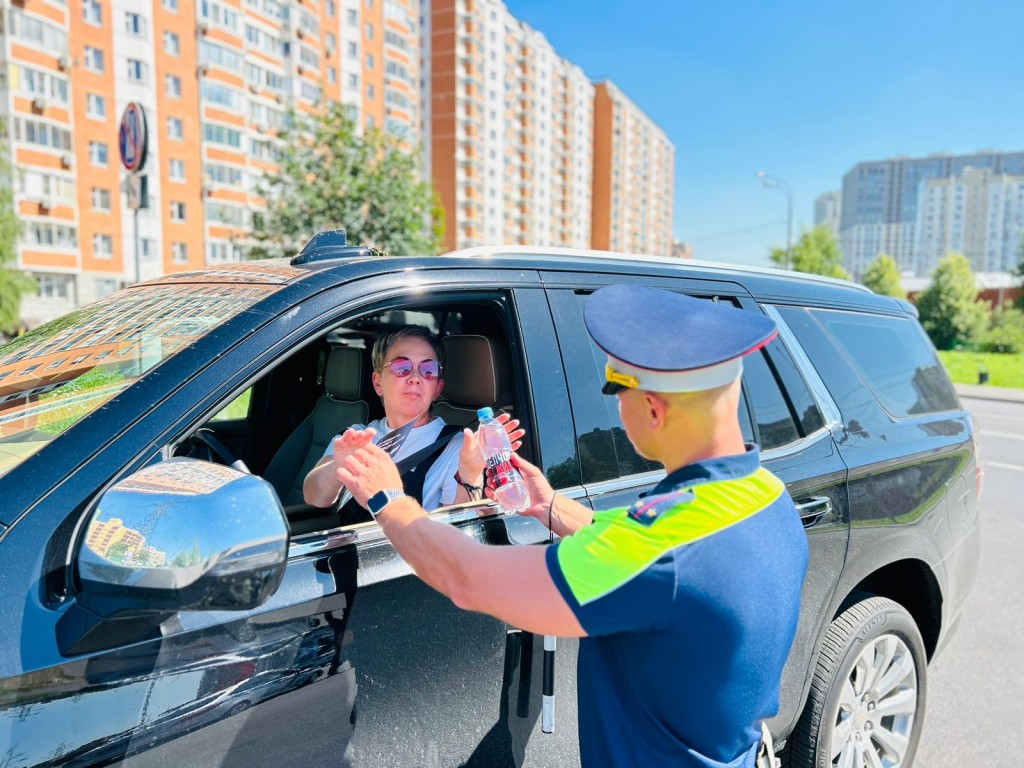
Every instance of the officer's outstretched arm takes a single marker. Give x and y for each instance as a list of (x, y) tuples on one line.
[(511, 583)]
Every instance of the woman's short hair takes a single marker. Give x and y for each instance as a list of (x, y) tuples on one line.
[(383, 344)]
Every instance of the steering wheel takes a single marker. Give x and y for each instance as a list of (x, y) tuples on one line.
[(216, 448)]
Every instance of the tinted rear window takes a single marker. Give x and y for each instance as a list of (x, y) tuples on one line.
[(893, 356)]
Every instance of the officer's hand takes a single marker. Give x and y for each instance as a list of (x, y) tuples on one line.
[(367, 470), (349, 442), (538, 486)]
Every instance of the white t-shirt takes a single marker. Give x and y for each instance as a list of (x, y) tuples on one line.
[(439, 486)]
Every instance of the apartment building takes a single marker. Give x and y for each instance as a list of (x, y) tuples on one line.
[(977, 213), (633, 177), (509, 129), (215, 79), (880, 206)]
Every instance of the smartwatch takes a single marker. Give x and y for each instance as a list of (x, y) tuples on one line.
[(381, 499)]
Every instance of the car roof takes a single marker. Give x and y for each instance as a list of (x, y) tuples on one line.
[(766, 284)]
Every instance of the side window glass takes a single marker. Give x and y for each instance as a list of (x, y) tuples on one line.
[(808, 415), (770, 411), (236, 409), (894, 358)]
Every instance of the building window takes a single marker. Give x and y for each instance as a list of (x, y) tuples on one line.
[(369, 31), (136, 71), (176, 170), (94, 59), (369, 61), (177, 211), (100, 200), (369, 92), (179, 253), (331, 8), (175, 128), (353, 51), (99, 153), (172, 44), (102, 246), (353, 81), (147, 246), (96, 106), (170, 5), (332, 75), (173, 85), (92, 12), (55, 286), (134, 24)]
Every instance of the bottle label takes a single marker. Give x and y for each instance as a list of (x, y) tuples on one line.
[(502, 470)]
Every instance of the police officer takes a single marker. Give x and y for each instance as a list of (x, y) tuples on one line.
[(687, 601)]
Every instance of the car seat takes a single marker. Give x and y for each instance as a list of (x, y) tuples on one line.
[(337, 409), (475, 375)]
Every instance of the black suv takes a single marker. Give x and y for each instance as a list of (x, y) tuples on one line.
[(168, 599)]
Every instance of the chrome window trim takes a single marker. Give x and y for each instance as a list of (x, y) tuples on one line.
[(626, 483), (829, 410), (370, 532)]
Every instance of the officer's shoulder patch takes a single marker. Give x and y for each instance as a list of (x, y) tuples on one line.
[(648, 509)]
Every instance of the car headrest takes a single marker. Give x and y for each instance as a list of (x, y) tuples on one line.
[(343, 378), (475, 370)]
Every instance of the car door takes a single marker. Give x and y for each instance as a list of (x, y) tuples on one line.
[(352, 660)]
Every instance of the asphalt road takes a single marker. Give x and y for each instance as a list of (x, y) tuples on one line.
[(975, 714)]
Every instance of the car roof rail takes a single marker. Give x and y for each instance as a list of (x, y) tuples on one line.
[(331, 245)]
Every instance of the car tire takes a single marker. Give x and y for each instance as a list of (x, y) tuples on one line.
[(874, 640)]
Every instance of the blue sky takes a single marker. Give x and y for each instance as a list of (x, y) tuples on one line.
[(802, 89)]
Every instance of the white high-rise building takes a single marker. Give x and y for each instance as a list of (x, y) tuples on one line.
[(977, 213), (880, 206)]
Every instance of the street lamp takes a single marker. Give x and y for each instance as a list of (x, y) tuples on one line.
[(773, 182)]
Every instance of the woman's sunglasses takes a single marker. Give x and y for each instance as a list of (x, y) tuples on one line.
[(401, 367)]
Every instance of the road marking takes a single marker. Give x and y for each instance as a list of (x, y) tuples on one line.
[(1009, 435), (999, 465)]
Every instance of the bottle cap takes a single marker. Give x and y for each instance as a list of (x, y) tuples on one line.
[(485, 413)]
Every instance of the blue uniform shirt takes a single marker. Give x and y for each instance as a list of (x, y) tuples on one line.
[(690, 599)]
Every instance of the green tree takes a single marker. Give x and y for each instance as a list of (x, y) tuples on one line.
[(1005, 331), (13, 283), (329, 177), (950, 309), (816, 253), (883, 277)]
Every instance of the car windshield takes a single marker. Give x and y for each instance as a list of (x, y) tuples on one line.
[(59, 373)]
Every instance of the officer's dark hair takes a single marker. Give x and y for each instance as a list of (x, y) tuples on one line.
[(383, 344)]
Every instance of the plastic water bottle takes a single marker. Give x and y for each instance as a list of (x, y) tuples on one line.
[(509, 488)]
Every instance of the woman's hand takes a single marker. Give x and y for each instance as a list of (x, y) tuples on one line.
[(366, 470), (471, 457), (350, 442)]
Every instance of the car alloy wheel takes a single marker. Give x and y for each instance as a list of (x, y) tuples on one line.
[(866, 703)]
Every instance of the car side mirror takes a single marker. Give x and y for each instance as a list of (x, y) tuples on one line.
[(178, 535)]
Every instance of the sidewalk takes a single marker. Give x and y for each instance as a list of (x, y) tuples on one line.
[(985, 392)]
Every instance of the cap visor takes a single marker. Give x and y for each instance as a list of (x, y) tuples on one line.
[(612, 388)]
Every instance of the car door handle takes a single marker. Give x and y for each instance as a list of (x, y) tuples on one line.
[(813, 509)]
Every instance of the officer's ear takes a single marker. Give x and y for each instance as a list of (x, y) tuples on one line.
[(657, 409)]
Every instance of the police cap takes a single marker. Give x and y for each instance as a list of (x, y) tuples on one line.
[(661, 341)]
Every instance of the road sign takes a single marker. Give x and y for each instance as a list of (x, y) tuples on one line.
[(132, 137), (137, 191)]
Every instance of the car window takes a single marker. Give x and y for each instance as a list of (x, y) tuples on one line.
[(892, 356), (59, 373), (805, 410), (774, 421)]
